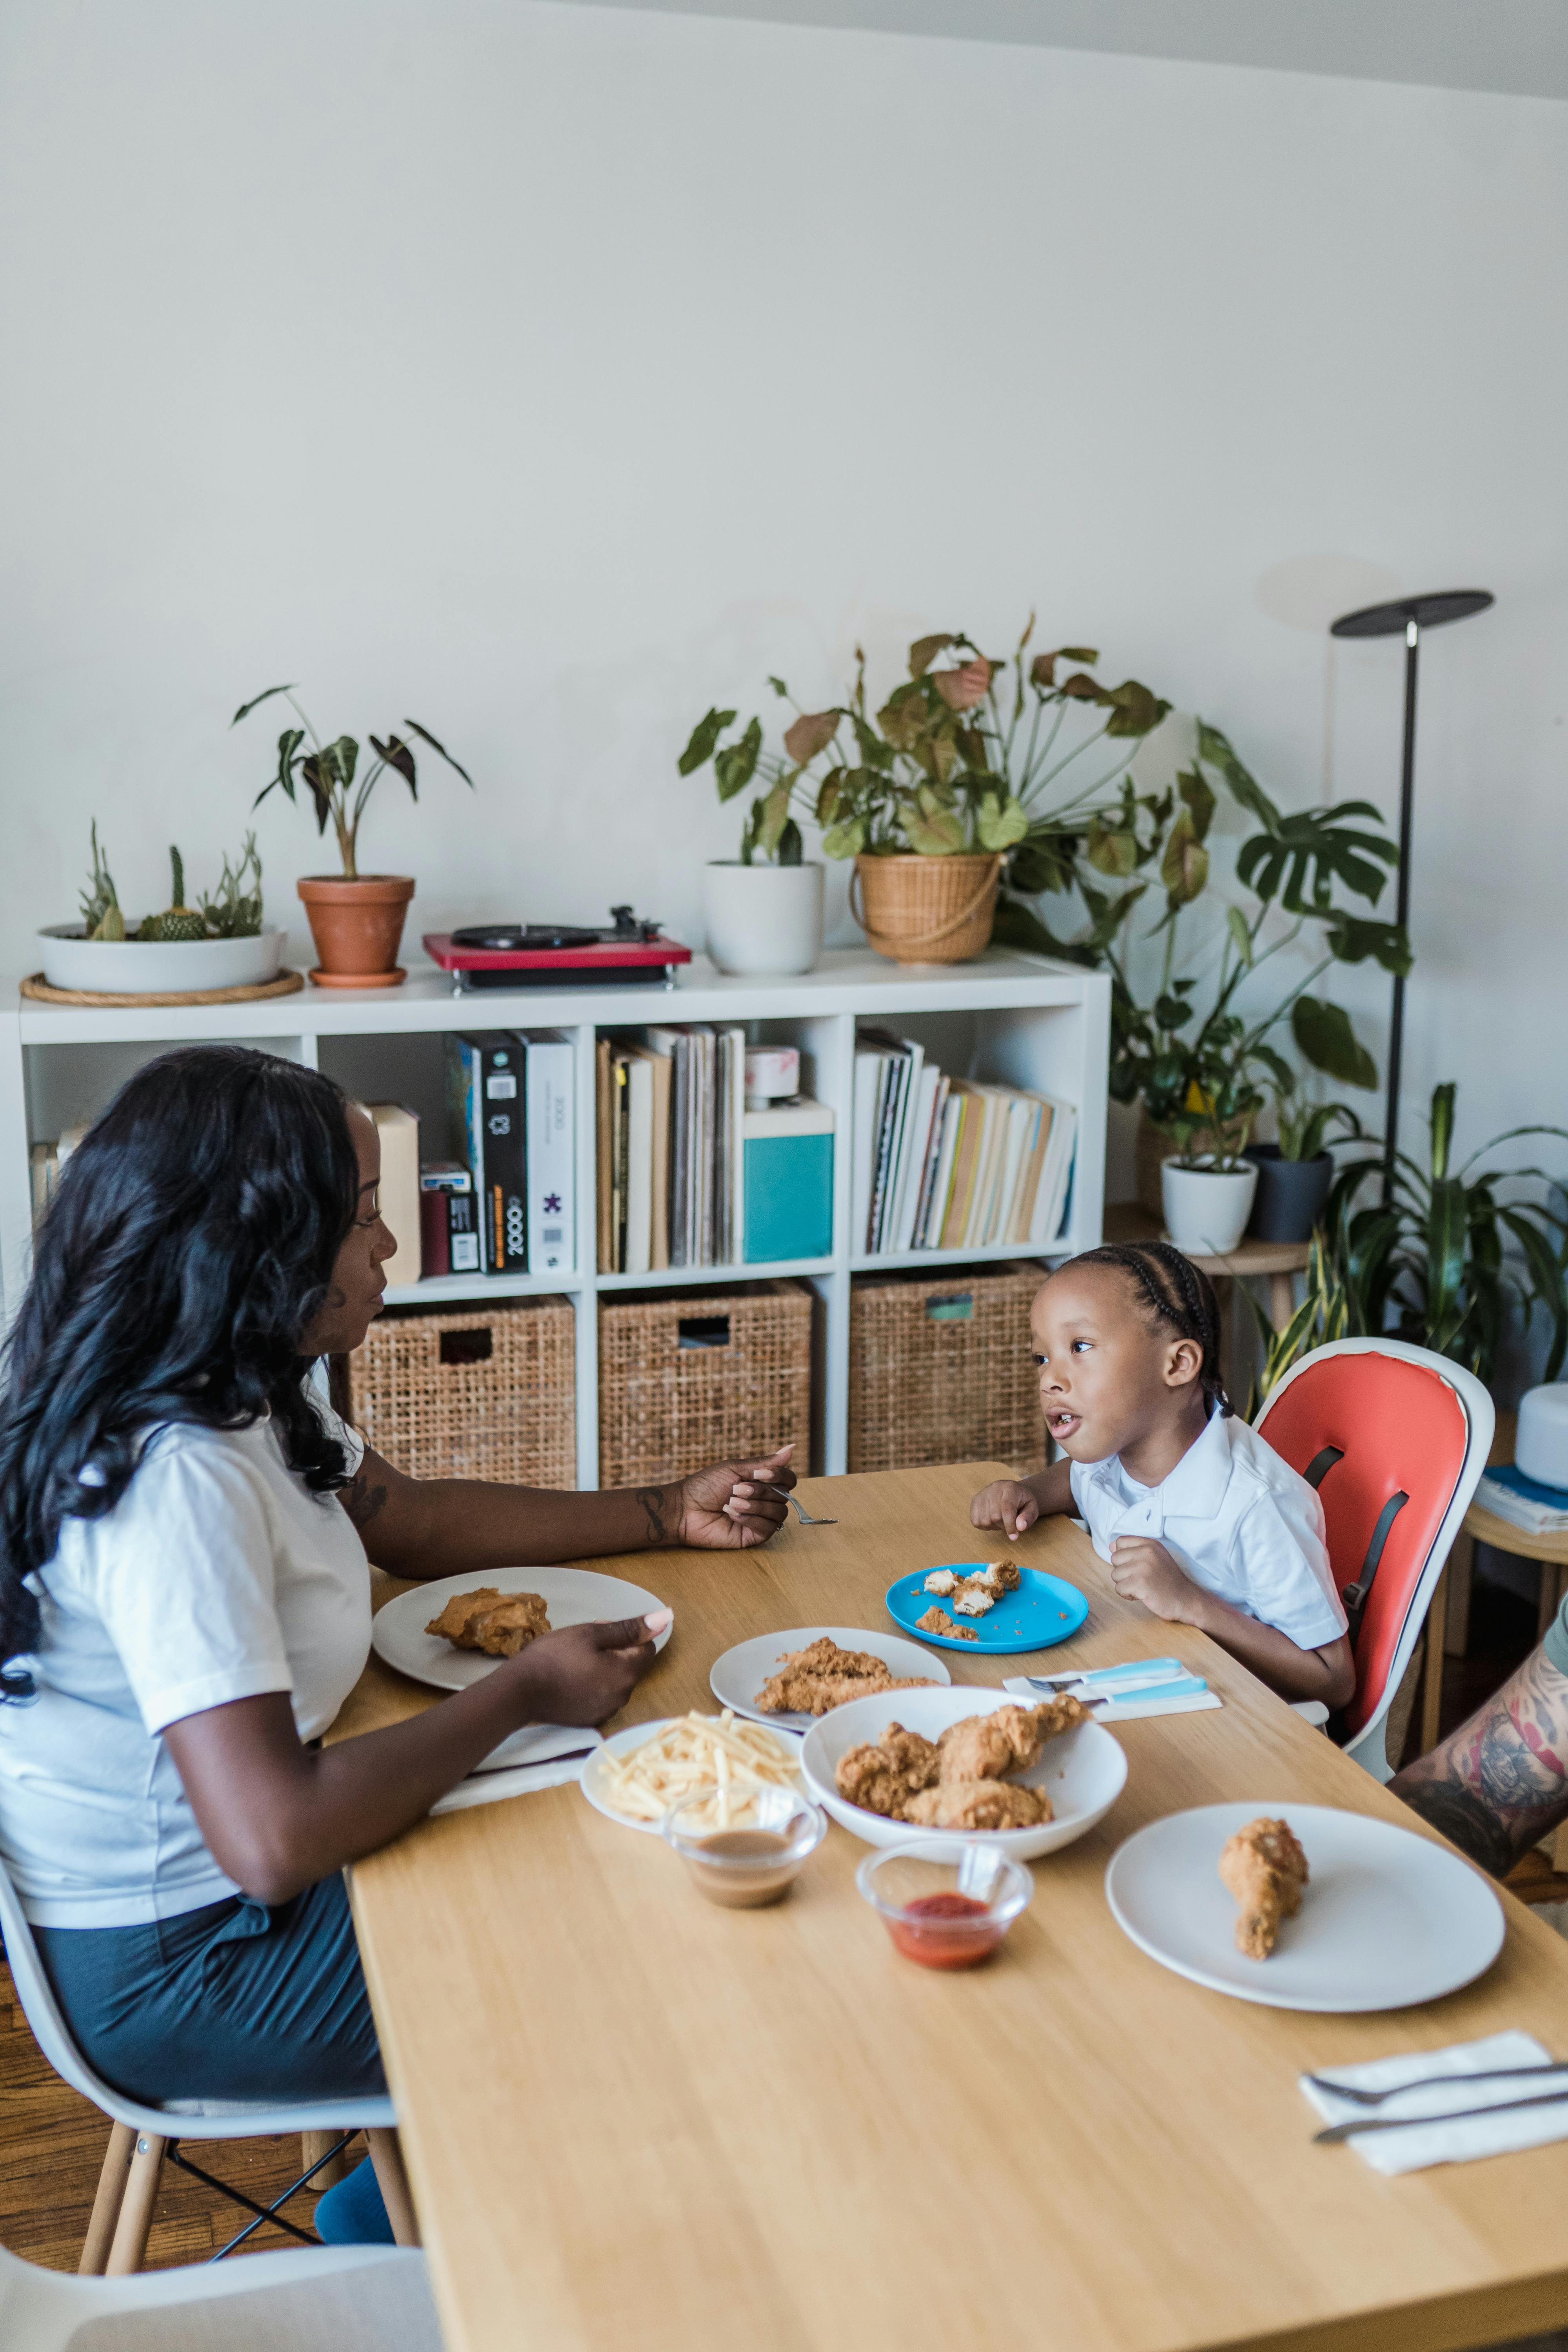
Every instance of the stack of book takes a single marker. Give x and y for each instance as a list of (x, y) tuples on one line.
[(1524, 1502), (951, 1163), (671, 1108), (511, 1096)]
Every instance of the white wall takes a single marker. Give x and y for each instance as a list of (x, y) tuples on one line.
[(547, 371)]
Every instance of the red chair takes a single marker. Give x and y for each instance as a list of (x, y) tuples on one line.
[(1394, 1439)]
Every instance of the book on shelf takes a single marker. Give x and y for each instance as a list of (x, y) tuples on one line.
[(550, 1083), (670, 1121), (511, 1121), (951, 1163), (448, 1231), (43, 1169), (398, 1196)]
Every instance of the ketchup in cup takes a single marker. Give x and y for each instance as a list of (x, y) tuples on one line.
[(946, 1903)]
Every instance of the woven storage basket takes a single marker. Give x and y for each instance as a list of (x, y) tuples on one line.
[(926, 910), (666, 1409), (491, 1393), (941, 1370)]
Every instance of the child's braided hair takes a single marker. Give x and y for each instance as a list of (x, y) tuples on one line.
[(1179, 1293)]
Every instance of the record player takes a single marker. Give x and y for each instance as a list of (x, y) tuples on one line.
[(634, 952)]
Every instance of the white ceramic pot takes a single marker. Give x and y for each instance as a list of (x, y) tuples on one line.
[(762, 919), (1541, 1447), (155, 966), (1206, 1208)]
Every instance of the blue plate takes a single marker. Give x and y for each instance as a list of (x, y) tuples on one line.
[(1042, 1611)]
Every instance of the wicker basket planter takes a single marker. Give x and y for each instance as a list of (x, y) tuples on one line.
[(926, 910), (487, 1394), (685, 1380), (940, 1370)]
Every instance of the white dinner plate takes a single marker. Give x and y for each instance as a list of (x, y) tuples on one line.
[(1082, 1772), (573, 1596), (1388, 1918), (621, 1743), (740, 1674)]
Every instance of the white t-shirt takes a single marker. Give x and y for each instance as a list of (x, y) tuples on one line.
[(217, 1576), (1235, 1518)]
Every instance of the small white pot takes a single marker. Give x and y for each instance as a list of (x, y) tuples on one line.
[(155, 966), (1206, 1208), (762, 919)]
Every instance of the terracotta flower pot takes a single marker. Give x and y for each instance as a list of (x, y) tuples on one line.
[(926, 910), (357, 927)]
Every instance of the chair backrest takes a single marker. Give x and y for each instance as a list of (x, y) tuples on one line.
[(1394, 1438), (42, 2011)]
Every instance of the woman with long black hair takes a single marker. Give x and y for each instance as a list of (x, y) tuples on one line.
[(183, 1597)]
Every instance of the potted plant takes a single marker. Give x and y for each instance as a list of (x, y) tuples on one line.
[(1294, 1173), (356, 919), (762, 910), (1447, 1260), (183, 950), (955, 788), (1289, 868)]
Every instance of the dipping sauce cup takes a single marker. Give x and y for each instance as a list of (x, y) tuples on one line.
[(945, 1902), (753, 1856)]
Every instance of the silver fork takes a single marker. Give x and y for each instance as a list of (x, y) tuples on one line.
[(802, 1514), (1431, 2081)]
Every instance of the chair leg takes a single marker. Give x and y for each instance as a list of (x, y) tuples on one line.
[(106, 2205), (1432, 1686), (129, 2245), (1458, 1576), (386, 2155), (314, 2145)]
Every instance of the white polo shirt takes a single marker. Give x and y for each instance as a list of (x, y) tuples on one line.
[(1235, 1518)]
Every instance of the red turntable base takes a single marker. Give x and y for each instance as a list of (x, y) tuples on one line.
[(558, 955)]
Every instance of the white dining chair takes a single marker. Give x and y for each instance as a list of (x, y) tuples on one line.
[(144, 2138), (329, 2299)]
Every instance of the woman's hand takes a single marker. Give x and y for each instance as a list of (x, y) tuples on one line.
[(1006, 1504), (734, 1507), (584, 1673)]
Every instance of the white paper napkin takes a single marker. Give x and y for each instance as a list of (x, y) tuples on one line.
[(1121, 1710), (1494, 2130), (539, 1755)]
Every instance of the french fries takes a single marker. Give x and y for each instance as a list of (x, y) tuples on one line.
[(692, 1753)]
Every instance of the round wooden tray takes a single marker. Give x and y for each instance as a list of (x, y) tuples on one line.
[(286, 984)]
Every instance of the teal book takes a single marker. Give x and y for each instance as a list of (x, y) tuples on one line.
[(787, 1208)]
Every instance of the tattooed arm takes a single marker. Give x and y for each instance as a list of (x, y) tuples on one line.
[(1500, 1781), (448, 1527)]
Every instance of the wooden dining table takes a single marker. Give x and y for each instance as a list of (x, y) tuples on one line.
[(633, 2122)]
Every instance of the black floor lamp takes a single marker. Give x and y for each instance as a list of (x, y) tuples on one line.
[(1406, 617)]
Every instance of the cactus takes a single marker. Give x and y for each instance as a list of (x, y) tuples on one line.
[(177, 921), (100, 904)]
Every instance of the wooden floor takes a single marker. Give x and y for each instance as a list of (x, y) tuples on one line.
[(51, 2145)]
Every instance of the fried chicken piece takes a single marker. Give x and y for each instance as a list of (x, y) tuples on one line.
[(937, 1621), (499, 1624), (822, 1676), (973, 1600), (1000, 1578), (882, 1775), (1264, 1868), (984, 1746), (942, 1580), (979, 1805)]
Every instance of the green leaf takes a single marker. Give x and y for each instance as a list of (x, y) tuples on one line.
[(247, 708), (772, 816), (846, 840), (1000, 822), (832, 790), (1017, 926), (343, 756), (811, 732), (289, 743), (396, 754), (1185, 868), (1353, 938), (1111, 850), (931, 836), (791, 848), (924, 651), (1216, 751), (1546, 1282), (905, 718), (1442, 1127), (1042, 861), (1198, 795), (734, 767), (704, 735), (1447, 1225), (1324, 1036), (1236, 922), (779, 688), (1133, 709), (440, 749), (1079, 654)]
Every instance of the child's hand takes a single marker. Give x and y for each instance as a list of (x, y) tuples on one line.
[(1143, 1569), (1005, 1503)]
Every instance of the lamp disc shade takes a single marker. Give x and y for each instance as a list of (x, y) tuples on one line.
[(1427, 612)]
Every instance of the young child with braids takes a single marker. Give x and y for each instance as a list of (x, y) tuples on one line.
[(1197, 1516)]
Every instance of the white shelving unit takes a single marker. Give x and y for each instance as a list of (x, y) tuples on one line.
[(1020, 1019)]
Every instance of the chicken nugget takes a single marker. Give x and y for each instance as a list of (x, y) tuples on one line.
[(979, 1805), (1264, 1868), (937, 1621)]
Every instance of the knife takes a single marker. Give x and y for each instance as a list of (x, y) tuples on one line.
[(1337, 2132)]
